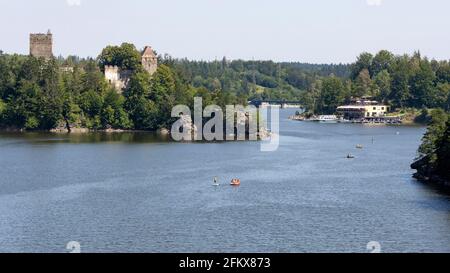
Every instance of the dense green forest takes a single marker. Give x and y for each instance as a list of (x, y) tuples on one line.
[(402, 81), (39, 95), (434, 153)]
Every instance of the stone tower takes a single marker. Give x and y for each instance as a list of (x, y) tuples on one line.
[(41, 45), (149, 60)]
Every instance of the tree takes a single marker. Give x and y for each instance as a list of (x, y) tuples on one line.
[(139, 86), (22, 108), (433, 136), (401, 73), (363, 84), (364, 61), (31, 69), (91, 103), (142, 110), (126, 57), (93, 79), (443, 72), (382, 61), (52, 99), (331, 96), (443, 153), (2, 107), (113, 112), (423, 90), (447, 106), (383, 83), (163, 93)]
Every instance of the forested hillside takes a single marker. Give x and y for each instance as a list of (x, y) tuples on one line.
[(401, 81), (39, 95)]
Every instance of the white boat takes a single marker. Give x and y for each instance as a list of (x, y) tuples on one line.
[(328, 118), (216, 182)]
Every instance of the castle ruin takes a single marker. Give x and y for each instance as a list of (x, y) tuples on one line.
[(41, 45), (119, 78), (149, 60)]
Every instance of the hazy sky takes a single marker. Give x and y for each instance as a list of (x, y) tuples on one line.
[(319, 31)]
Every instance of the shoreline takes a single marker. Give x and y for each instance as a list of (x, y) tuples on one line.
[(433, 181), (261, 135), (403, 123), (76, 131), (427, 176)]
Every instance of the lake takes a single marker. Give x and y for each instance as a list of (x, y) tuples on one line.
[(137, 192)]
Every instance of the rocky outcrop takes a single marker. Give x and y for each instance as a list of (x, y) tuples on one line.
[(186, 120), (64, 130), (163, 131), (427, 174)]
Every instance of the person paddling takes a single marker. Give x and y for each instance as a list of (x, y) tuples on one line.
[(216, 183)]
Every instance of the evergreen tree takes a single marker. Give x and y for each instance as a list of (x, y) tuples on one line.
[(433, 136)]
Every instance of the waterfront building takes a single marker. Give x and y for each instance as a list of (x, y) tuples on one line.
[(363, 109)]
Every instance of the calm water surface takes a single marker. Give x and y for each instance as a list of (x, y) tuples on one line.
[(139, 193)]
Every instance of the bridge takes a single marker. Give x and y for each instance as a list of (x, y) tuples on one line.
[(282, 103)]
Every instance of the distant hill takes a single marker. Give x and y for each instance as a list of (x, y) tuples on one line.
[(256, 79)]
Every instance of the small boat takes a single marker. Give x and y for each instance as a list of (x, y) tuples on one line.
[(216, 182), (328, 119), (350, 156), (359, 146), (235, 182)]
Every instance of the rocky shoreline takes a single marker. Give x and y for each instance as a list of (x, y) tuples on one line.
[(435, 180), (426, 175), (263, 133)]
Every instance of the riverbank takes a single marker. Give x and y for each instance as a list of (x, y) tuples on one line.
[(110, 130), (427, 175), (393, 120), (77, 131), (406, 116), (263, 133)]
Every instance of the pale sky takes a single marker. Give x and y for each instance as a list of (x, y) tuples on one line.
[(316, 31)]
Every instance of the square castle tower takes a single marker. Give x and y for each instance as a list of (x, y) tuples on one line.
[(41, 45), (149, 60)]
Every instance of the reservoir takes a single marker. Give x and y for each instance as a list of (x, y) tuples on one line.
[(137, 192)]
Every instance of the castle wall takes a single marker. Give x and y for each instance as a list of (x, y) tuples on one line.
[(116, 77), (119, 78)]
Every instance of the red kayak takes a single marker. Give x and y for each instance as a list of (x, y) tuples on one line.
[(235, 182)]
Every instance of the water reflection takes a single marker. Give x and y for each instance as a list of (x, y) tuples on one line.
[(93, 137)]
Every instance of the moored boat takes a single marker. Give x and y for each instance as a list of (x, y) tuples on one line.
[(328, 118)]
